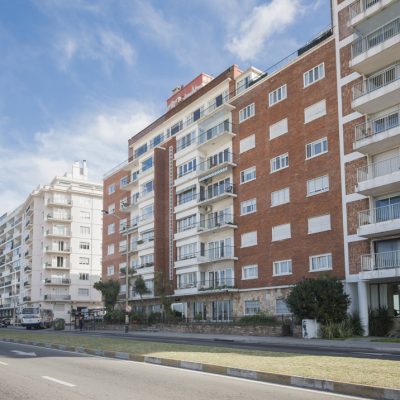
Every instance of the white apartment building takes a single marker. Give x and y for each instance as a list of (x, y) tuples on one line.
[(50, 247), (368, 73)]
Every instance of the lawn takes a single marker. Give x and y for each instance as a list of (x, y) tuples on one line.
[(382, 373), (388, 340)]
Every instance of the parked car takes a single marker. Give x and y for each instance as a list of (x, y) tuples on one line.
[(4, 322)]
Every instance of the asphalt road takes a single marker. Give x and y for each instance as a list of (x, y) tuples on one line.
[(34, 373)]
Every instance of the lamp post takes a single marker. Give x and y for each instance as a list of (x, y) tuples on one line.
[(126, 271)]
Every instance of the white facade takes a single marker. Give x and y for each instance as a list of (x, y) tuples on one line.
[(55, 249)]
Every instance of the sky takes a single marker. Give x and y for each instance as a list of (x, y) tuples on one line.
[(78, 78)]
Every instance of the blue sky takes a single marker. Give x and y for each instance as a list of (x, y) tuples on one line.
[(79, 77)]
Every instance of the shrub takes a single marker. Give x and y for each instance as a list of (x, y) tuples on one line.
[(350, 326), (258, 319), (115, 316), (380, 322), (322, 299), (356, 326)]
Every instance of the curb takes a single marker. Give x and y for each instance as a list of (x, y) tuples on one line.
[(369, 392)]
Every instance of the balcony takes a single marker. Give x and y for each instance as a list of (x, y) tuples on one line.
[(377, 92), (215, 193), (28, 269), (59, 217), (131, 182), (59, 203), (26, 298), (28, 254), (380, 265), (27, 284), (53, 265), (379, 134), (133, 224), (57, 297), (381, 221), (57, 281), (58, 250), (131, 204), (214, 166), (143, 244), (379, 178), (215, 136), (209, 285), (58, 233), (377, 49), (360, 10), (131, 164), (217, 254)]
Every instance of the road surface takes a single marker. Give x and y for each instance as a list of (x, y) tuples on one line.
[(34, 373)]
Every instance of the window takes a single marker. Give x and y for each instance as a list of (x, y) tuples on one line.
[(283, 267), (83, 276), (279, 197), (187, 195), (278, 129), (188, 280), (247, 175), (147, 260), (249, 239), (281, 307), (83, 292), (147, 164), (313, 75), (242, 84), (247, 143), (122, 246), (175, 128), (141, 150), (147, 187), (111, 229), (252, 307), (281, 232), (248, 206), (85, 215), (110, 270), (123, 224), (247, 112), (111, 209), (187, 251), (186, 223), (315, 111), (280, 162), (319, 224), (111, 188), (123, 203), (84, 260), (123, 181), (250, 272), (84, 245), (277, 95), (85, 230), (185, 141), (110, 249), (317, 185), (156, 140), (316, 148), (187, 168), (321, 262)]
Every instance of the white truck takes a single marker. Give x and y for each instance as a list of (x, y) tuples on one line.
[(36, 317)]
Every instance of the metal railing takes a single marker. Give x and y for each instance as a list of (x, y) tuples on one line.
[(377, 169), (378, 261), (380, 214), (377, 81), (65, 264), (57, 232), (208, 223), (218, 159), (58, 297), (59, 201), (360, 6), (204, 285), (384, 33), (214, 191), (215, 131), (59, 216), (50, 249), (377, 125), (214, 254), (57, 281)]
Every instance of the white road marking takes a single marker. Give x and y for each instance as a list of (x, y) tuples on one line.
[(23, 353), (49, 378), (3, 363)]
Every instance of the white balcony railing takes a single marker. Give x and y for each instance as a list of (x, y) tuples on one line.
[(380, 261), (212, 133), (376, 126), (360, 6), (384, 33), (214, 254), (377, 169), (379, 214), (376, 81)]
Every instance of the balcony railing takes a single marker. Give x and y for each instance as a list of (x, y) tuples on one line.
[(59, 216), (57, 281), (377, 81), (377, 169), (219, 284), (26, 298), (213, 192), (208, 223), (57, 297), (380, 214), (64, 202), (360, 6), (377, 125), (214, 254), (380, 261), (212, 133), (54, 265), (57, 232), (219, 159), (386, 32)]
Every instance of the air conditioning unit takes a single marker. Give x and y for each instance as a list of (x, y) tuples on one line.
[(208, 209)]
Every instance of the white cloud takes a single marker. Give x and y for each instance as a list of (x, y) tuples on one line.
[(263, 22), (100, 137)]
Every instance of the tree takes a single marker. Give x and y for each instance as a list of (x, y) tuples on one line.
[(140, 287), (109, 291), (322, 299)]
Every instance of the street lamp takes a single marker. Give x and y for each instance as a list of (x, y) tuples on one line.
[(126, 271)]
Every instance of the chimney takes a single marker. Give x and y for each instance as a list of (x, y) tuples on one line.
[(84, 170), (75, 169)]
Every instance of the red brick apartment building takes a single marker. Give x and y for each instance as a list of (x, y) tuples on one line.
[(368, 74), (235, 193)]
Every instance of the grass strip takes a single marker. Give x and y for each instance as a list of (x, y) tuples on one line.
[(382, 373)]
